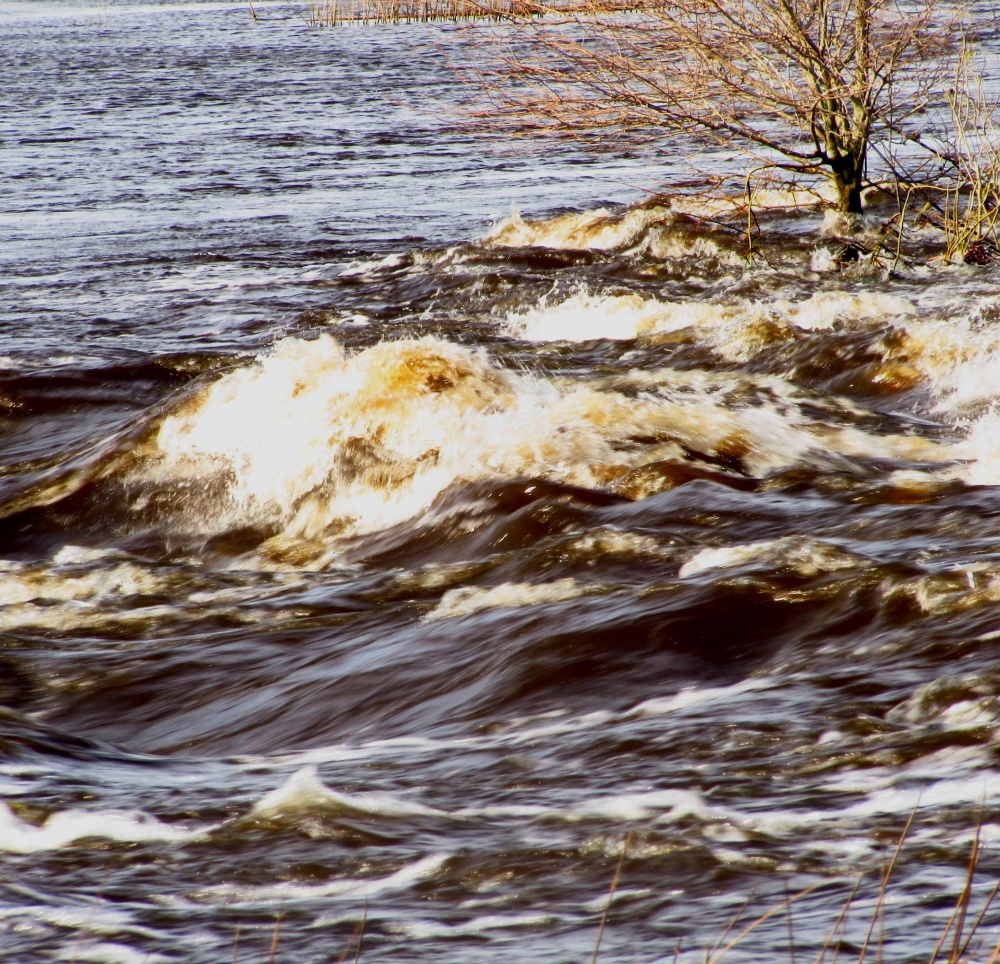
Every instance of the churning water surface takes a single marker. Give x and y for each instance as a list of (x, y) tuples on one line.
[(371, 553)]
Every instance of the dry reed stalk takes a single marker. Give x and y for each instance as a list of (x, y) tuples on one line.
[(840, 924), (274, 939), (361, 933), (733, 921), (880, 901), (791, 931), (961, 940), (611, 896), (957, 944), (980, 916), (972, 204), (714, 956), (356, 939), (330, 13)]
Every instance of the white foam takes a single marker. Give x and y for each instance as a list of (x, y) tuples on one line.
[(98, 590), (981, 450), (351, 888), (313, 438), (695, 696), (824, 309), (951, 591), (108, 953), (598, 904), (321, 444), (375, 749), (466, 600), (529, 730), (666, 806), (737, 328), (587, 317), (363, 268), (806, 557), (303, 790), (967, 791), (424, 930), (71, 826), (952, 777), (962, 701), (97, 918), (650, 225), (605, 541), (596, 230), (958, 354), (32, 583)]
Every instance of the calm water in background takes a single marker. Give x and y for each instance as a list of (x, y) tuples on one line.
[(363, 558)]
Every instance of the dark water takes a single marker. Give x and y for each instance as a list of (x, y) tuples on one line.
[(365, 559)]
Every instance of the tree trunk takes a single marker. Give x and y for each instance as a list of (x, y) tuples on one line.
[(849, 197), (847, 174)]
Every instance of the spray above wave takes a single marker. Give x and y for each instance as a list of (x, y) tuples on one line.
[(316, 442)]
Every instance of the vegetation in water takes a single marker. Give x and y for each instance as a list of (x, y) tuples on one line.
[(850, 94)]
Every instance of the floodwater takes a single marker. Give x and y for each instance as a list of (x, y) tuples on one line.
[(381, 566)]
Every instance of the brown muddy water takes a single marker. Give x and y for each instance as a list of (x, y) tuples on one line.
[(370, 552)]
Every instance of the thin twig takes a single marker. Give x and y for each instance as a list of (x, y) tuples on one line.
[(944, 935)]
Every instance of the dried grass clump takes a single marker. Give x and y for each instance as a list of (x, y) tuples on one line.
[(972, 205), (958, 943), (331, 13)]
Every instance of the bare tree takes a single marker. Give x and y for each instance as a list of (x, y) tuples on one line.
[(799, 85)]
